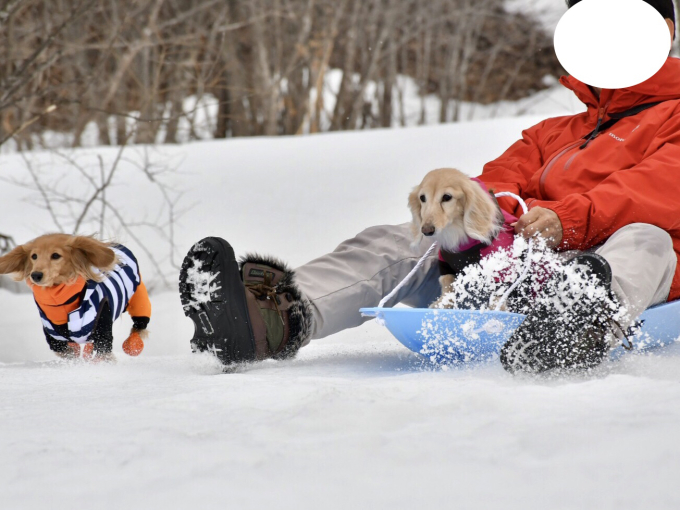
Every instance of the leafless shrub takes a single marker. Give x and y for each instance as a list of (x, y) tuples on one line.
[(88, 192)]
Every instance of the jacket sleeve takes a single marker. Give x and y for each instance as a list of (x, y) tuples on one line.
[(648, 192), (140, 305), (515, 167)]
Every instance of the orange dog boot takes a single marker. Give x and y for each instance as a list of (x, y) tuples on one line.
[(88, 351), (134, 345)]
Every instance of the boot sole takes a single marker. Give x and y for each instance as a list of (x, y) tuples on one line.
[(213, 297), (597, 265), (517, 355)]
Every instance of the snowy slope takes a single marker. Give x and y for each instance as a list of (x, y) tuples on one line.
[(355, 421), (297, 196)]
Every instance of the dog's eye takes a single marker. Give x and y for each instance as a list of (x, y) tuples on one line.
[(56, 256), (446, 198), (422, 198), (34, 256)]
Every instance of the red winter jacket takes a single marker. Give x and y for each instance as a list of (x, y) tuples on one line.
[(629, 173)]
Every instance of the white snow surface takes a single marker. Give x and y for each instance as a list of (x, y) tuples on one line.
[(355, 421)]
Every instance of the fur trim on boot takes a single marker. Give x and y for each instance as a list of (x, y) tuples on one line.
[(272, 288)]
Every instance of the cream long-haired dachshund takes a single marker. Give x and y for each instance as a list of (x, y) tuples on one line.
[(462, 216), (81, 286)]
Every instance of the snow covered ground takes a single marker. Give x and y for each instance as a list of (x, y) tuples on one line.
[(355, 421)]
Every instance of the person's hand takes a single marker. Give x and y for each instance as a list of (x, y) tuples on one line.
[(542, 222)]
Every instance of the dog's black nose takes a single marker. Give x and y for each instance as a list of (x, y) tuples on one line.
[(36, 277), (428, 230)]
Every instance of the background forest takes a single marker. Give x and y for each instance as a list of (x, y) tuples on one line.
[(143, 71)]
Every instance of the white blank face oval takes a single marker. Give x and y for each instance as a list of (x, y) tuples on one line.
[(612, 44)]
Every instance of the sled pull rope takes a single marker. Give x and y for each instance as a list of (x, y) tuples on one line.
[(420, 263), (408, 276), (527, 266)]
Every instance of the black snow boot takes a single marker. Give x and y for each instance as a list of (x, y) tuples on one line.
[(242, 312), (570, 330)]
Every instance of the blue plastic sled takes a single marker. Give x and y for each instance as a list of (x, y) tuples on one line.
[(465, 336)]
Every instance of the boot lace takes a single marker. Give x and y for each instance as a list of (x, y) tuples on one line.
[(264, 291), (611, 325)]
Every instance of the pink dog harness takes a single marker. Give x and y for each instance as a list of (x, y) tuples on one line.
[(474, 251)]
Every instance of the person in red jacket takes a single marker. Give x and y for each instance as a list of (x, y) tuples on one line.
[(603, 184)]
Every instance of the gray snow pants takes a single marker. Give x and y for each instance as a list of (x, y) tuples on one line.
[(364, 269)]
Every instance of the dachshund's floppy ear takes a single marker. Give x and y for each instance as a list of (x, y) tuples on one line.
[(88, 252), (16, 262), (481, 220), (414, 204)]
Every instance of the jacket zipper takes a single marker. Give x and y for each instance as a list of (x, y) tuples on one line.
[(600, 117), (570, 161), (551, 164)]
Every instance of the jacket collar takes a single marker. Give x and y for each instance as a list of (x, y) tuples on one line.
[(57, 295), (663, 86)]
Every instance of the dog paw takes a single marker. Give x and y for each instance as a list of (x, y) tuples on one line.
[(89, 354), (72, 352)]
